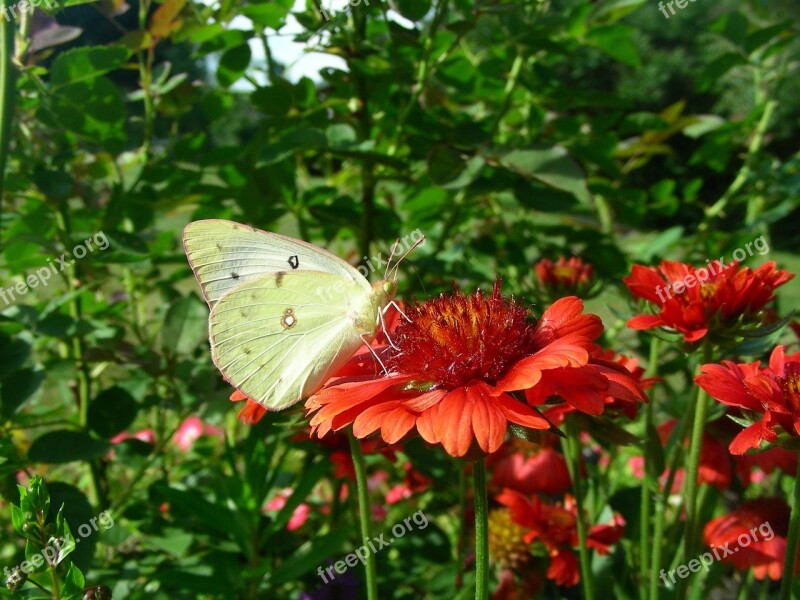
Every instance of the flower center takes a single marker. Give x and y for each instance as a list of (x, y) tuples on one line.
[(452, 341), (791, 387)]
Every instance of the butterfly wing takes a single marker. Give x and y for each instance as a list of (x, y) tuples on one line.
[(224, 254), (278, 338)]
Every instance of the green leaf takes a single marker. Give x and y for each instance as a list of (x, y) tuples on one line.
[(73, 582), (717, 69), (308, 557), (112, 411), (448, 169), (233, 64), (64, 446), (17, 388), (617, 42), (87, 63), (93, 108), (549, 165), (185, 326), (413, 10)]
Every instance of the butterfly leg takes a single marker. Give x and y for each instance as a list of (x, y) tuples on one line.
[(385, 329), (397, 308), (374, 354)]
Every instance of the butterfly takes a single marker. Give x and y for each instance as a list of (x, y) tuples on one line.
[(285, 314)]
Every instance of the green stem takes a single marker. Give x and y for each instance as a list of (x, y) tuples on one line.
[(7, 92), (462, 509), (792, 539), (363, 513), (693, 464), (481, 530), (647, 482), (573, 452)]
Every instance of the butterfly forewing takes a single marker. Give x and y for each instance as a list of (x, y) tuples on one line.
[(278, 338), (224, 254)]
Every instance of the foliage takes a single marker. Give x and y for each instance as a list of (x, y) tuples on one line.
[(505, 131)]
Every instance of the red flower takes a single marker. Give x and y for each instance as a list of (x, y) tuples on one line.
[(555, 526), (772, 391), (754, 535), (695, 301), (565, 277), (531, 469), (625, 385), (456, 362), (252, 413), (414, 482)]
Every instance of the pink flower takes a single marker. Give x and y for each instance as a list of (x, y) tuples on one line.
[(299, 515), (147, 436), (191, 430)]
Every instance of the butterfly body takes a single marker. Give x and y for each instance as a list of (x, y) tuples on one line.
[(285, 315)]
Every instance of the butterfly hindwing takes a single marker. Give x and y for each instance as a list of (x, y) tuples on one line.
[(224, 254), (278, 338)]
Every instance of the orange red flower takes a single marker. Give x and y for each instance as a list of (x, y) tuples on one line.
[(456, 365), (695, 301), (566, 276), (555, 526), (772, 391), (752, 536)]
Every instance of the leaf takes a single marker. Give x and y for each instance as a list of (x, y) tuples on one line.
[(17, 388), (185, 326), (112, 411), (87, 63), (549, 165), (64, 446), (617, 42), (165, 21), (13, 354), (717, 69), (233, 64), (92, 107), (413, 10), (448, 168), (73, 582), (308, 557)]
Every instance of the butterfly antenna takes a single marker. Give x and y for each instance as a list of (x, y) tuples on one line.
[(419, 277), (391, 255), (407, 252)]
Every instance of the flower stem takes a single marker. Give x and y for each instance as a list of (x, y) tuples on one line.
[(792, 539), (363, 513), (647, 481), (481, 530), (692, 467), (573, 448)]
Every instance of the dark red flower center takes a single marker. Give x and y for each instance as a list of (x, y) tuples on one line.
[(791, 387), (452, 341)]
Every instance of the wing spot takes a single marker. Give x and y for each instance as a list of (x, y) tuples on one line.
[(279, 278), (247, 351), (288, 320), (234, 275), (294, 261), (219, 246)]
